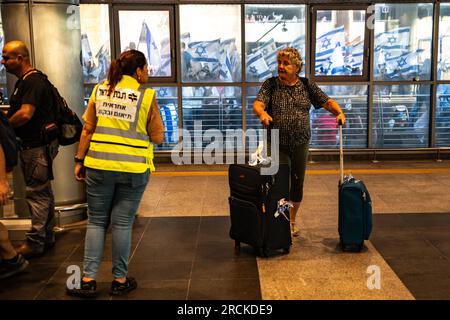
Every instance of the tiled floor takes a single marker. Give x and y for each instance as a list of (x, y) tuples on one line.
[(181, 248), (172, 258)]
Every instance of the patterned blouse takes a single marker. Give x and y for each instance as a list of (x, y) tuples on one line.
[(290, 109)]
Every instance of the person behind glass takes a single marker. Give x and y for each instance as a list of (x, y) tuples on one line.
[(291, 101), (115, 158)]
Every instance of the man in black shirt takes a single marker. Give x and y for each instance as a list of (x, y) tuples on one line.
[(31, 110)]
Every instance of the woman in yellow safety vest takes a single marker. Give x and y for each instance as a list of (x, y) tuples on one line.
[(115, 158)]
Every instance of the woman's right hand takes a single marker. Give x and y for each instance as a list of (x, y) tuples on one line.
[(79, 171), (265, 118)]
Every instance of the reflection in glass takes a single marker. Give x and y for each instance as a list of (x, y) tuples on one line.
[(210, 48), (403, 45), (149, 32), (444, 43), (443, 116), (168, 107), (217, 108), (269, 28), (95, 42), (339, 42), (401, 116), (353, 101)]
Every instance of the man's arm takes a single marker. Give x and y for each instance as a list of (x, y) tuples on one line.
[(22, 116), (332, 106)]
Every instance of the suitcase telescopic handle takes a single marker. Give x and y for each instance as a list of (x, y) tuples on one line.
[(341, 155)]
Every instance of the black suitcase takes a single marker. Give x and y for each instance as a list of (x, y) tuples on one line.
[(253, 205), (355, 210)]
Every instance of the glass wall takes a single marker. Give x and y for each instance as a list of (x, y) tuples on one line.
[(401, 116), (402, 48), (339, 48), (269, 28), (210, 50), (443, 67), (443, 116), (167, 98), (3, 93), (213, 109), (354, 102), (149, 32), (95, 45), (395, 90)]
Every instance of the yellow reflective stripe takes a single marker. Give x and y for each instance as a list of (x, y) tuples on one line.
[(103, 147), (145, 108), (112, 165), (118, 139), (122, 133), (117, 156)]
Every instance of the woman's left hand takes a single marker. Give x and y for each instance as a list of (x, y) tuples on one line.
[(340, 119)]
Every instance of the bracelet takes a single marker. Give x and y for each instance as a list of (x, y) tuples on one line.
[(78, 160)]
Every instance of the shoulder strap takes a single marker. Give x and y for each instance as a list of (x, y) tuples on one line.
[(272, 84), (304, 81)]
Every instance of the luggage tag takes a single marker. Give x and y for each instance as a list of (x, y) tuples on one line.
[(282, 207), (257, 157)]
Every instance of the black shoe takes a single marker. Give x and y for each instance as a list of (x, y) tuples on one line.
[(31, 249), (88, 289), (8, 269), (118, 289), (49, 241)]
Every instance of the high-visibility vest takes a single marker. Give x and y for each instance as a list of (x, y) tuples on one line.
[(120, 141)]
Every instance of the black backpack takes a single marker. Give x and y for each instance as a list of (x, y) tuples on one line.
[(67, 126), (10, 143)]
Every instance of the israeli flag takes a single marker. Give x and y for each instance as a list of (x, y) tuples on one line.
[(169, 117), (147, 45), (396, 39), (355, 57), (325, 45), (229, 45), (405, 64), (87, 59), (103, 58), (205, 58), (165, 68), (269, 52), (337, 66), (257, 66), (226, 68), (299, 44)]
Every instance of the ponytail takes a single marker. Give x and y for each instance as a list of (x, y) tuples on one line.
[(114, 75), (126, 64)]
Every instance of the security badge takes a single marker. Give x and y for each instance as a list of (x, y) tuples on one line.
[(120, 105)]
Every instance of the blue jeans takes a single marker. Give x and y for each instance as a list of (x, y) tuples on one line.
[(113, 197)]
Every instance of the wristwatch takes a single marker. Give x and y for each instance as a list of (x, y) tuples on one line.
[(78, 160)]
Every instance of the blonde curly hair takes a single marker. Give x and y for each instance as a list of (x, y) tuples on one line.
[(293, 55)]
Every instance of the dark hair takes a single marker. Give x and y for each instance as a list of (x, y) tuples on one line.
[(126, 64)]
